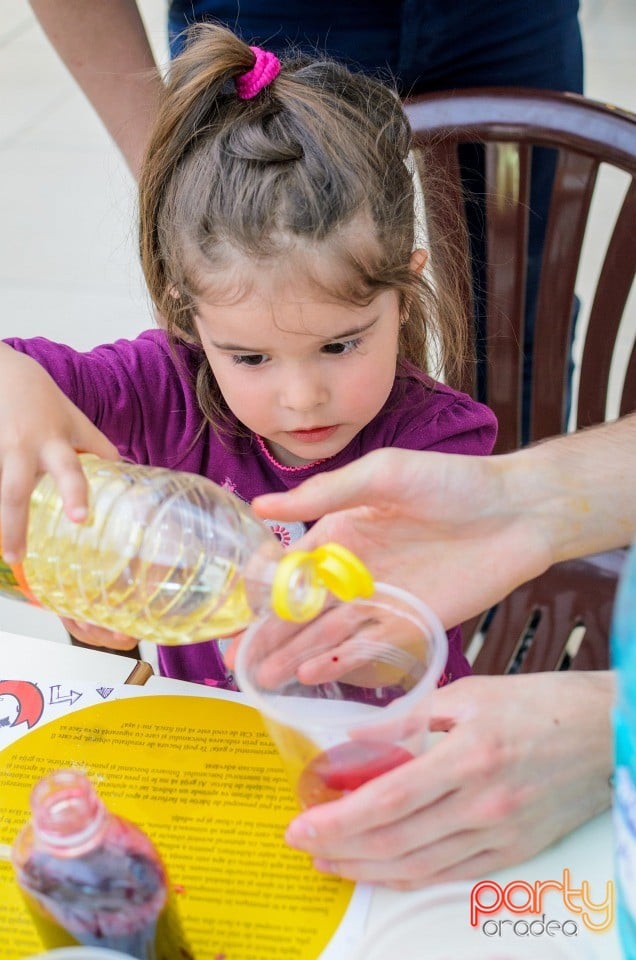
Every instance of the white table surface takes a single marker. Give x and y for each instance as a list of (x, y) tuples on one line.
[(587, 852), (20, 653)]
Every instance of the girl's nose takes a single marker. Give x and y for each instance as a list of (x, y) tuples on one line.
[(301, 391)]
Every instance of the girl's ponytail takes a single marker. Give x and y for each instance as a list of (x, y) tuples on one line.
[(190, 108)]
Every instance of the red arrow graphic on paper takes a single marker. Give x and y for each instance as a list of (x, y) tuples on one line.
[(29, 698)]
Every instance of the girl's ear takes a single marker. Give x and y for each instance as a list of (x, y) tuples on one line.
[(419, 259)]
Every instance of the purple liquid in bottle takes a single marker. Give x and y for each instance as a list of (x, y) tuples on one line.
[(92, 878)]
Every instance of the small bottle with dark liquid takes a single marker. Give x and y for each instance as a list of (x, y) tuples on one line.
[(92, 878)]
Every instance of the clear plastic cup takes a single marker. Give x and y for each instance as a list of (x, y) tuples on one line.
[(345, 696)]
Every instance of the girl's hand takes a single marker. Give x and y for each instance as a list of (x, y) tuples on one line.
[(96, 636), (40, 431), (525, 760), (347, 641)]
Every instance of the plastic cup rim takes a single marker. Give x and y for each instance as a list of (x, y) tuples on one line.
[(396, 708)]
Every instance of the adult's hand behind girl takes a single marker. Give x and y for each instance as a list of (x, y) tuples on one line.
[(40, 431)]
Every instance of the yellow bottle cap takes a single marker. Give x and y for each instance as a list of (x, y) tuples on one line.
[(302, 579), (342, 572)]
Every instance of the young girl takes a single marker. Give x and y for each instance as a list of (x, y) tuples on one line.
[(277, 235)]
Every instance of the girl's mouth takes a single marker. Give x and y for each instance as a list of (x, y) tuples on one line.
[(314, 435)]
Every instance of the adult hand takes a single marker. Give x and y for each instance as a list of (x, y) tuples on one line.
[(439, 525), (40, 431), (525, 760), (361, 645), (462, 532)]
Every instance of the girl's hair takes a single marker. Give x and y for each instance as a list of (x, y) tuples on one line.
[(315, 163)]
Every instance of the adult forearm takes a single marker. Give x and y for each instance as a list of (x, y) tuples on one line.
[(105, 46), (579, 488)]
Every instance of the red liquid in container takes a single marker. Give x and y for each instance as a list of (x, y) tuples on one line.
[(345, 767)]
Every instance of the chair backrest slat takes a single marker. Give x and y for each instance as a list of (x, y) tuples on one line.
[(507, 204), (444, 211), (628, 398), (572, 191), (613, 288)]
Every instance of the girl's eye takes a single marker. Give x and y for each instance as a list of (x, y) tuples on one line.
[(249, 359), (343, 346)]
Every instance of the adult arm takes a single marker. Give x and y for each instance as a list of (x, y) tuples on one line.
[(462, 532), (526, 759), (105, 47)]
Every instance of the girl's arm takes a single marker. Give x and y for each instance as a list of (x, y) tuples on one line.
[(40, 430)]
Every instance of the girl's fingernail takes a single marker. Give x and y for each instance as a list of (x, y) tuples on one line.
[(79, 513), (324, 866)]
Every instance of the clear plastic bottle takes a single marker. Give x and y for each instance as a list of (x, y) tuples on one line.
[(92, 878), (169, 557), (623, 645)]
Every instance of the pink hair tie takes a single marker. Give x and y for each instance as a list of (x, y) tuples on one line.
[(266, 68)]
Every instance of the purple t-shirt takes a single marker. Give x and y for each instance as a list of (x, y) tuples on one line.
[(141, 394)]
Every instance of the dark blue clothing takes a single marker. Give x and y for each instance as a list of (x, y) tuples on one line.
[(423, 46)]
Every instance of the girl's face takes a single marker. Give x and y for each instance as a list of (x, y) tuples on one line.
[(303, 372)]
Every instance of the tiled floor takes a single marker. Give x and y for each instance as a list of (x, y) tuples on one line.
[(68, 264)]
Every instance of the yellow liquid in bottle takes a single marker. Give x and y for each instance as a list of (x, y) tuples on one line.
[(134, 566)]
